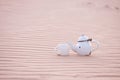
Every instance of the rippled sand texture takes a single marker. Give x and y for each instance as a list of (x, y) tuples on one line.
[(30, 29)]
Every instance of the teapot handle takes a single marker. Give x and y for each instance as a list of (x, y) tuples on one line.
[(97, 45)]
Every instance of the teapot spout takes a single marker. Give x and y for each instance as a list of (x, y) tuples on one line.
[(73, 47)]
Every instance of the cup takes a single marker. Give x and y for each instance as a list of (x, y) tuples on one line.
[(62, 49)]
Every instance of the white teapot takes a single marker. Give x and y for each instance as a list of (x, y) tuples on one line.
[(84, 46)]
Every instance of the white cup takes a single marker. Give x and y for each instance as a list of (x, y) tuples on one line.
[(62, 49)]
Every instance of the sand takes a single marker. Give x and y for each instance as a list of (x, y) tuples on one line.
[(30, 29)]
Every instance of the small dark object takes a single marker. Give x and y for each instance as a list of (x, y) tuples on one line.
[(117, 8)]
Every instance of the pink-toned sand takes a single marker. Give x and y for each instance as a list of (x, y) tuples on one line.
[(30, 29)]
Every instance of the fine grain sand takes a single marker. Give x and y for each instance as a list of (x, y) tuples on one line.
[(30, 29)]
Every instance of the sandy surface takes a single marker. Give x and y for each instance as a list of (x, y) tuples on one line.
[(30, 29)]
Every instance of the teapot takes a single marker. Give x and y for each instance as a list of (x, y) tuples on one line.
[(84, 46)]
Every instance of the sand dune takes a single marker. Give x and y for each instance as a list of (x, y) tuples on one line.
[(30, 29)]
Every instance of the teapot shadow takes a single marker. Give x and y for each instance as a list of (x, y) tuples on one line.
[(76, 56)]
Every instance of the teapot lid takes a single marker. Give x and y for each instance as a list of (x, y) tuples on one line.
[(82, 38)]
